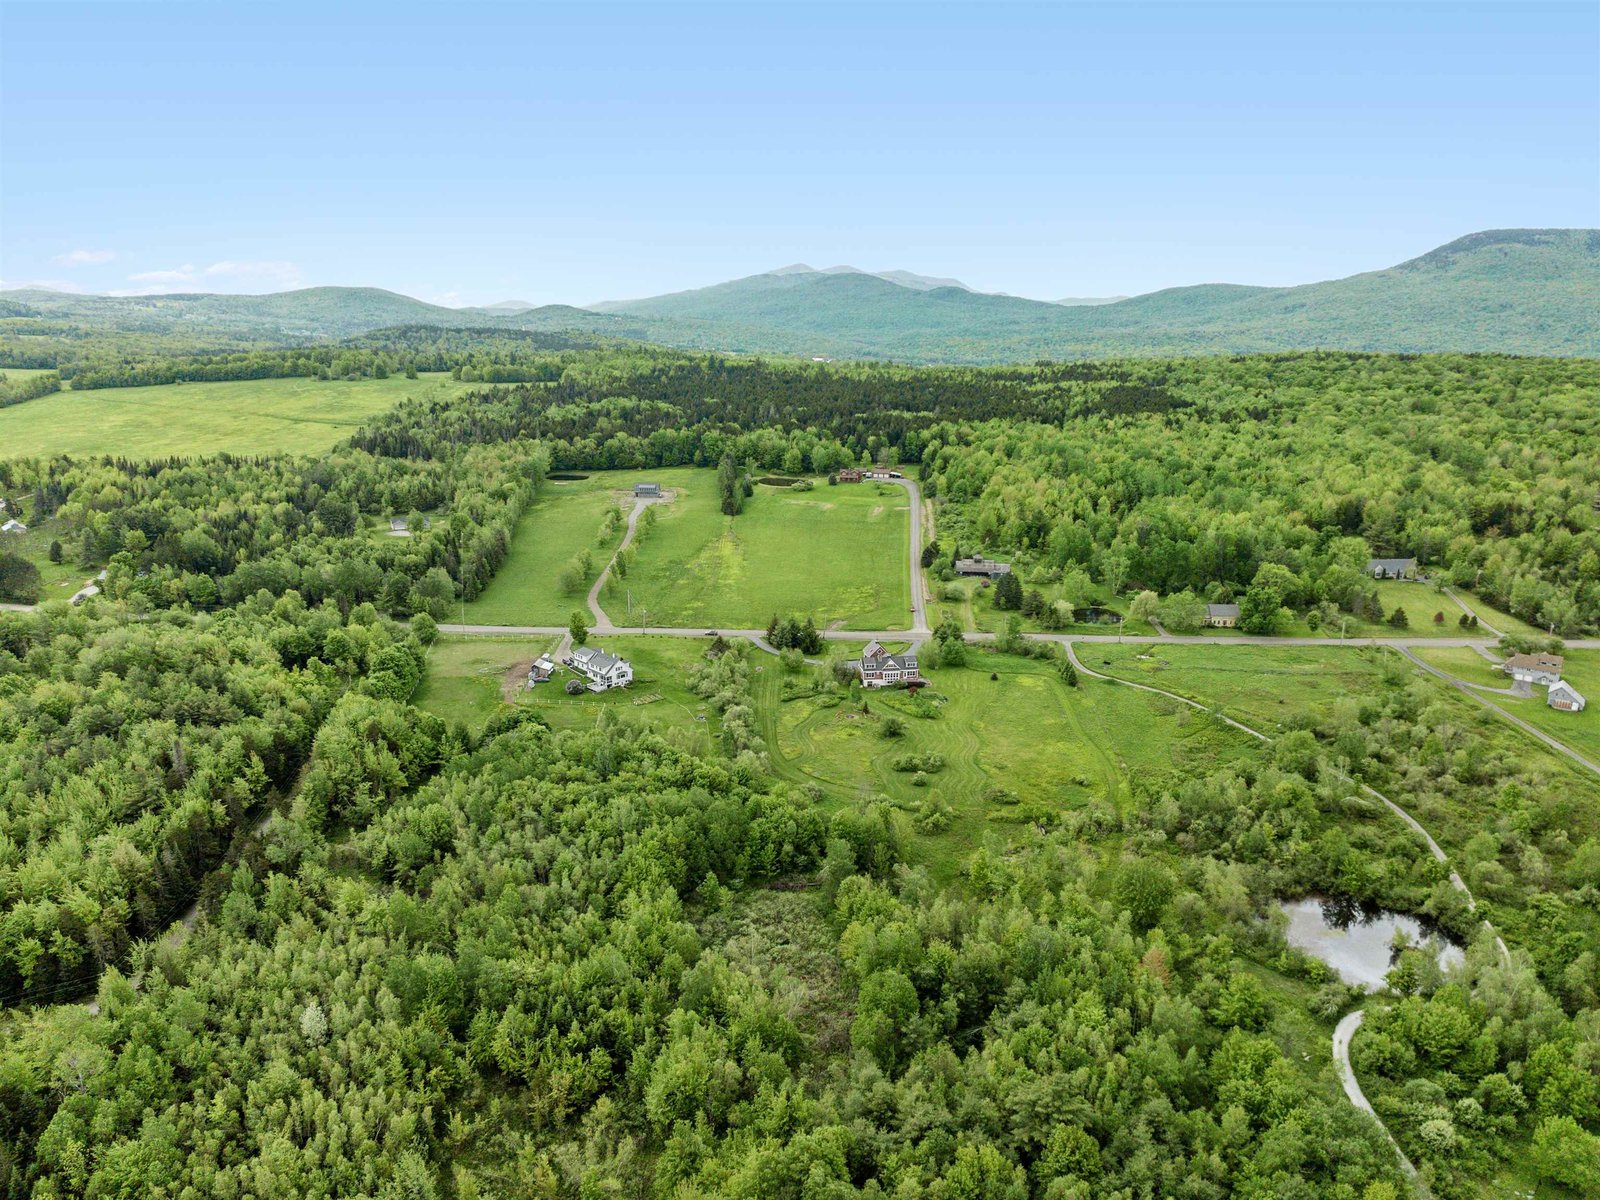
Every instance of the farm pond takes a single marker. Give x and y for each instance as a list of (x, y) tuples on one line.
[(1358, 943)]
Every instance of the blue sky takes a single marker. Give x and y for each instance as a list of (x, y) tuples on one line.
[(468, 153)]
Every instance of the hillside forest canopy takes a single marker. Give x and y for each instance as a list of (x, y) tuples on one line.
[(268, 928)]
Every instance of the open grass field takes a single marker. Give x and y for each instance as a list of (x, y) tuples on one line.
[(468, 678), (562, 522), (252, 416), (837, 554), (1259, 685), (1052, 748)]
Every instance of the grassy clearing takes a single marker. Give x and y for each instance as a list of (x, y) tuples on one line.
[(251, 416), (1259, 685), (468, 677), (1052, 748), (561, 523), (837, 554), (57, 581)]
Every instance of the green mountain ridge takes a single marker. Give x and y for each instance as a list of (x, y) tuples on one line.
[(1521, 291)]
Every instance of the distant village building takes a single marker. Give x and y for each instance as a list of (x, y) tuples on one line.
[(879, 668), (883, 473), (1222, 616), (13, 526), (1564, 696), (603, 671), (1391, 568), (850, 475), (652, 490), (979, 565), (543, 667), (1534, 668), (398, 525)]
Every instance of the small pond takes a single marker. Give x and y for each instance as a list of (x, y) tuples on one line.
[(1355, 941)]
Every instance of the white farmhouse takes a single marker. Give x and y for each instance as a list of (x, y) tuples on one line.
[(603, 671)]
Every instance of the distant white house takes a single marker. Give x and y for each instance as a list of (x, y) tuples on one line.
[(603, 671), (879, 668), (13, 526), (1222, 616), (1542, 669), (1391, 568), (398, 525), (543, 667), (1564, 696)]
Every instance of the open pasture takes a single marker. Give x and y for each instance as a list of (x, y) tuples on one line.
[(838, 554), (560, 524), (1018, 748), (249, 416)]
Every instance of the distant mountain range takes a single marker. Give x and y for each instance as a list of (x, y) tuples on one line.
[(1524, 291)]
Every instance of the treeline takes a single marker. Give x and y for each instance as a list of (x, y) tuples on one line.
[(16, 389), (216, 531), (473, 355)]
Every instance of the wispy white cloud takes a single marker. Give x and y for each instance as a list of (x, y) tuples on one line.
[(241, 275), (84, 258), (183, 274)]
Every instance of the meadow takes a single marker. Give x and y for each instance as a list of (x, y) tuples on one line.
[(562, 522), (836, 554), (252, 416), (1018, 747)]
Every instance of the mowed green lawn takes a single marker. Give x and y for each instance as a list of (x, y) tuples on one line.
[(469, 678), (1053, 748), (836, 554), (252, 416), (563, 521)]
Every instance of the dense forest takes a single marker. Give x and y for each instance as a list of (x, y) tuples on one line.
[(267, 928)]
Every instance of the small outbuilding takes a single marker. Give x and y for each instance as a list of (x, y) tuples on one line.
[(1222, 616), (883, 473), (13, 526), (979, 565), (398, 525), (647, 490), (1564, 696), (543, 667), (1392, 568), (1544, 669)]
